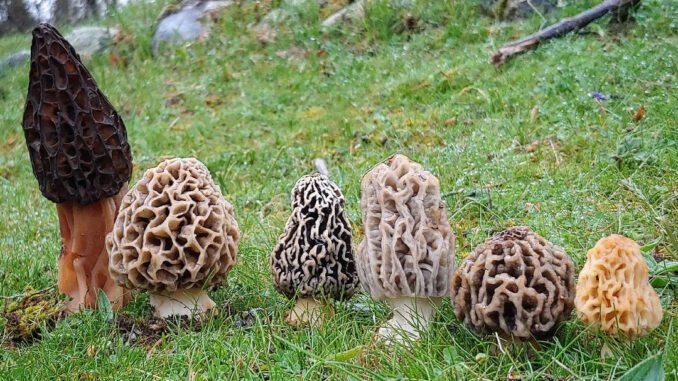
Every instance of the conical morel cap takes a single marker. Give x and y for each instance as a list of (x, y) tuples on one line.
[(76, 141)]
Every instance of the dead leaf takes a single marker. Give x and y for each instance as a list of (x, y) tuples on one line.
[(213, 100), (114, 59), (532, 146), (448, 74), (173, 99), (11, 141), (639, 114), (424, 83), (531, 206), (450, 122), (660, 253), (293, 53), (606, 352), (314, 112), (120, 36), (266, 34), (534, 113), (176, 126), (514, 375), (92, 351)]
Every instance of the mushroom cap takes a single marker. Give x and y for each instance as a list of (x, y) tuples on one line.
[(76, 141), (408, 248), (614, 292), (314, 256), (517, 283), (174, 231)]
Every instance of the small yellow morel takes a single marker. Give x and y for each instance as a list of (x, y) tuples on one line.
[(29, 313), (614, 291)]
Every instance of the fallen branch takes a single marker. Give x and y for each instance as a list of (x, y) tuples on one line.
[(562, 28)]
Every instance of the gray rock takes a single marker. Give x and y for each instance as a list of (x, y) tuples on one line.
[(86, 40), (187, 23), (90, 40), (353, 11), (356, 11), (270, 23), (14, 59)]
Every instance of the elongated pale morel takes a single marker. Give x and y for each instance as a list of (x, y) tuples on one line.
[(406, 257), (78, 148)]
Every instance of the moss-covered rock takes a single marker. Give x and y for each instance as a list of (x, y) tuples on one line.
[(27, 315)]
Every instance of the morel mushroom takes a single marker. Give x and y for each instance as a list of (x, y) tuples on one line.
[(613, 290), (78, 148), (175, 235), (407, 255), (313, 260), (516, 283)]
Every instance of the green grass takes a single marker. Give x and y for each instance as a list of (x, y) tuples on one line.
[(359, 95)]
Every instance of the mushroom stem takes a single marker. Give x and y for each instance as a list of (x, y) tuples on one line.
[(191, 302), (83, 263), (411, 316), (305, 311)]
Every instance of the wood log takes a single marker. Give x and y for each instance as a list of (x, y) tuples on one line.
[(563, 27)]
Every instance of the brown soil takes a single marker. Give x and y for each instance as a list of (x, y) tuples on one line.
[(147, 332)]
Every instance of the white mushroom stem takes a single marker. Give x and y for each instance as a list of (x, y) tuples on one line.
[(190, 302), (411, 316), (305, 311)]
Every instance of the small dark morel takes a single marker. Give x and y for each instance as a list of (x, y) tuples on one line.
[(516, 283), (313, 260)]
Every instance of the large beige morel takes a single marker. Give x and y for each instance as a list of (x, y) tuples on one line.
[(175, 235), (614, 292), (407, 254)]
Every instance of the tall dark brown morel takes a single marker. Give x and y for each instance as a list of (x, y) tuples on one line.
[(78, 148)]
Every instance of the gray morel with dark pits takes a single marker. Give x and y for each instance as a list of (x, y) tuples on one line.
[(407, 255), (516, 283), (78, 148), (313, 260), (175, 236)]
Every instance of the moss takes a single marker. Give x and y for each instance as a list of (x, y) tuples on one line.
[(27, 315)]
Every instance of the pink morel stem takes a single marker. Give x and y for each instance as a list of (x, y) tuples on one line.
[(83, 263)]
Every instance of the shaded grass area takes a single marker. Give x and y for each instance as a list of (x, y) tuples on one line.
[(523, 144)]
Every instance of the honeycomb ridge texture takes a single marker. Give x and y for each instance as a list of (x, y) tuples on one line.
[(174, 231), (614, 292), (314, 257), (76, 141), (408, 248), (516, 283)]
